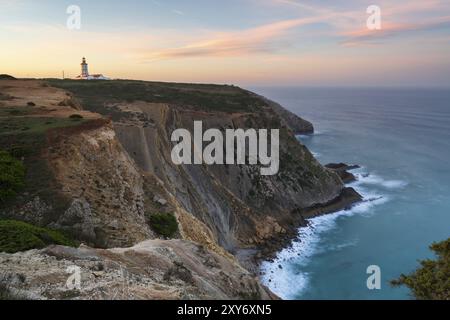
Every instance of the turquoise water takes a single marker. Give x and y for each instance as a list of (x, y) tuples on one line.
[(401, 138)]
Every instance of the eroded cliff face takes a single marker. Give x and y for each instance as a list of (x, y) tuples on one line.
[(241, 207), (104, 185)]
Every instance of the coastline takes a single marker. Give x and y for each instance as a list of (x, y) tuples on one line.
[(301, 235), (252, 258)]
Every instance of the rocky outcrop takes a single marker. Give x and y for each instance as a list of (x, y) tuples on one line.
[(103, 184), (342, 170), (152, 269)]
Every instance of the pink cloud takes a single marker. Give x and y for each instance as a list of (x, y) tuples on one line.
[(255, 40), (389, 29)]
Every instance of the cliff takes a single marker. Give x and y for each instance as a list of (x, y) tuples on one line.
[(99, 166), (242, 208)]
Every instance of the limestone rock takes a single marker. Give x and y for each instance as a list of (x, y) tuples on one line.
[(153, 269)]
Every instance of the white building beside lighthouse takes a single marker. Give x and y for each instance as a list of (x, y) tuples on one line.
[(85, 73)]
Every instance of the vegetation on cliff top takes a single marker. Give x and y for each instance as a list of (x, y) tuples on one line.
[(207, 97), (432, 280), (23, 135), (18, 236), (6, 77)]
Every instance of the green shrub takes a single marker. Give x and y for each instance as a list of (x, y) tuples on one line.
[(76, 117), (12, 176), (18, 236), (432, 280), (164, 224)]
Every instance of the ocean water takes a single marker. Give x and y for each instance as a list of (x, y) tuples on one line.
[(401, 140)]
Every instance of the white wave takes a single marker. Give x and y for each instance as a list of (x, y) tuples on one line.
[(310, 135), (282, 275), (281, 280), (372, 179)]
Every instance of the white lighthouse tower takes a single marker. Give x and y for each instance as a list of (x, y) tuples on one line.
[(85, 73), (84, 69)]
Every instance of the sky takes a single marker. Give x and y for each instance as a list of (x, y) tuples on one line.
[(243, 42)]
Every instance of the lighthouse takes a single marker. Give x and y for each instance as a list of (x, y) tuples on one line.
[(84, 69), (85, 73)]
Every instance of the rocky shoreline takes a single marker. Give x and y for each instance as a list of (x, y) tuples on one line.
[(252, 259)]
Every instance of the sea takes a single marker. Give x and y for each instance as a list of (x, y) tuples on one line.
[(400, 138)]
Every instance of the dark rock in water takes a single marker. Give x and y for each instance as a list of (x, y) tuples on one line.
[(345, 200), (341, 166), (346, 176), (342, 170), (6, 77)]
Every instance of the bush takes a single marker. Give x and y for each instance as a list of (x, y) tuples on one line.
[(432, 280), (76, 117), (6, 77), (12, 176), (18, 236), (164, 224)]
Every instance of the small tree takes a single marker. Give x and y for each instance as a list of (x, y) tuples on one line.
[(432, 280), (12, 176), (164, 224)]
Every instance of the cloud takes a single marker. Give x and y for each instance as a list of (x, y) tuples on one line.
[(399, 17), (178, 12), (350, 24), (255, 40), (388, 30)]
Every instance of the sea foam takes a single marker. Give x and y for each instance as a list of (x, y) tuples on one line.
[(373, 179), (282, 275)]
